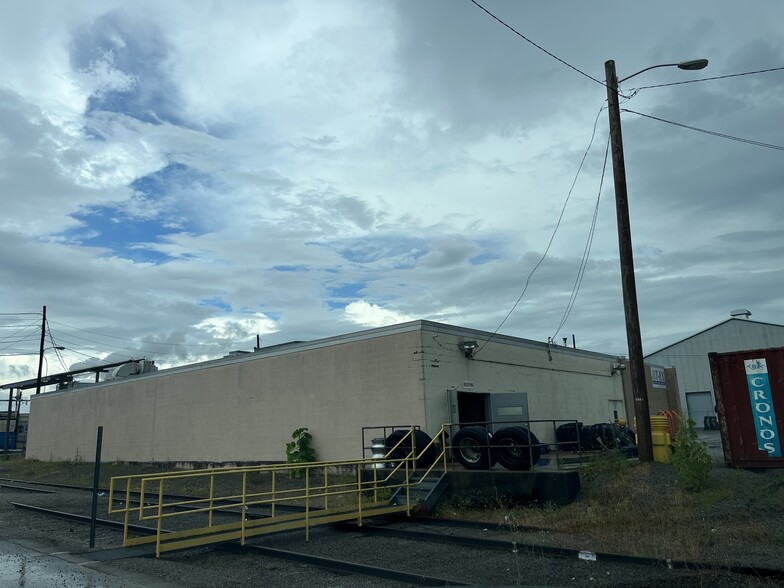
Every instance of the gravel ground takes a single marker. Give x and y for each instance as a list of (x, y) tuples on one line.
[(217, 567)]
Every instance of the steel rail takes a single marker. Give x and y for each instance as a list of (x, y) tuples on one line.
[(481, 525), (562, 552), (336, 565), (36, 490), (342, 566)]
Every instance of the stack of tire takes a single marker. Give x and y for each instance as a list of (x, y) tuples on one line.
[(575, 436), (398, 445), (513, 447)]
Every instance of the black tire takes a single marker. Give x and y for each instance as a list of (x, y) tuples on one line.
[(568, 436), (421, 439), (513, 448), (471, 447)]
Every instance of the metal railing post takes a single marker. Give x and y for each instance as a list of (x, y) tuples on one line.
[(443, 445), (375, 483), (127, 510), (307, 504), (274, 499), (326, 488), (359, 496), (243, 507), (160, 518), (212, 496)]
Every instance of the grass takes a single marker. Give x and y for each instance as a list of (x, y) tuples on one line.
[(643, 509)]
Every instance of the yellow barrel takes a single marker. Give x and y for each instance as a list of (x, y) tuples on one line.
[(660, 438)]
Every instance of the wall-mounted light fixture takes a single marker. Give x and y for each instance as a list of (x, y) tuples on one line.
[(617, 369), (467, 347)]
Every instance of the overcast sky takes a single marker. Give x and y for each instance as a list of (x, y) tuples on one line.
[(177, 177)]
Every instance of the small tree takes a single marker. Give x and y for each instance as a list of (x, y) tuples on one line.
[(299, 450), (690, 457)]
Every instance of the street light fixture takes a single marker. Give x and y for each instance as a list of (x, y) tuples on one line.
[(633, 337), (40, 365)]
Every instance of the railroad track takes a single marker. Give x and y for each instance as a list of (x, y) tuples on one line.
[(428, 530)]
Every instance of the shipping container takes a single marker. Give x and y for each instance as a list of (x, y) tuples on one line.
[(749, 389)]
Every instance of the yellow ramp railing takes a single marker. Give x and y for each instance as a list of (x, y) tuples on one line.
[(237, 503)]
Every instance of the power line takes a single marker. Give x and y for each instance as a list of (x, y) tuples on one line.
[(522, 36), (735, 75), (713, 133), (552, 237), (55, 347), (16, 333), (587, 251)]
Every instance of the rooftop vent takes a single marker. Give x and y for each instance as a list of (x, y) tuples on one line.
[(740, 313)]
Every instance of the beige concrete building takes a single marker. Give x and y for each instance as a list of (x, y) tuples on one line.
[(244, 408)]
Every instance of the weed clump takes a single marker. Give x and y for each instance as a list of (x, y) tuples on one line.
[(690, 457), (300, 451)]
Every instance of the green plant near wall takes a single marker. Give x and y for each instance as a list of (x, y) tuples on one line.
[(299, 450), (690, 457)]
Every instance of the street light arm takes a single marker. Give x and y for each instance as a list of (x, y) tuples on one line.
[(690, 65), (646, 69)]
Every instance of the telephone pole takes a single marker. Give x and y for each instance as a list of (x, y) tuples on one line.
[(633, 337), (41, 353)]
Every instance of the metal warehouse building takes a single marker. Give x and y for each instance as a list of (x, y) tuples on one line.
[(243, 408), (689, 357)]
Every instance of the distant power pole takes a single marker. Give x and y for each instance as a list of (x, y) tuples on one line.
[(41, 353)]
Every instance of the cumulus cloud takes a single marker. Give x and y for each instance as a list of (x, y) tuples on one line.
[(365, 314)]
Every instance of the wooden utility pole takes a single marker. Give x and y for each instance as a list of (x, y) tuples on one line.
[(633, 337), (41, 353)]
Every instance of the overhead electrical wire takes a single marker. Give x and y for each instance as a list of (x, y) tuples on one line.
[(55, 346), (735, 75), (24, 328), (552, 237), (587, 251), (707, 132), (527, 40)]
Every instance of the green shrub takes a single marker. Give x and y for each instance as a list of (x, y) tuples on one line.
[(690, 457), (299, 450)]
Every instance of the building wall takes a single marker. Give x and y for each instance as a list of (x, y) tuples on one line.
[(243, 409), (690, 356), (561, 383), (659, 398)]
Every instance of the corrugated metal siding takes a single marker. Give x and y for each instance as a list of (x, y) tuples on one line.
[(690, 357)]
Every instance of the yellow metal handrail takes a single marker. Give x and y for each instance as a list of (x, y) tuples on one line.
[(342, 500)]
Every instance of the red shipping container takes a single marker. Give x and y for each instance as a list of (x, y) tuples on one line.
[(749, 389)]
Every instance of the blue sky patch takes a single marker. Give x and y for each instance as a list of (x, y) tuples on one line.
[(132, 229), (137, 52), (372, 249), (291, 268), (216, 303), (348, 291)]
